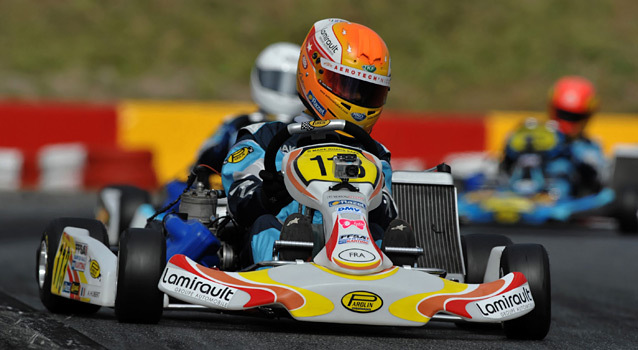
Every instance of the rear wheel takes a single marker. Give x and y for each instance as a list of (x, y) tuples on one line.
[(119, 203), (532, 260), (627, 210), (141, 261), (45, 259), (476, 252)]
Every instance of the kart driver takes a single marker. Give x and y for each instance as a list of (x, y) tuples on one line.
[(572, 162), (260, 201)]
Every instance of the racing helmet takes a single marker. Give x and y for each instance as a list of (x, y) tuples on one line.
[(572, 101), (344, 72), (273, 81)]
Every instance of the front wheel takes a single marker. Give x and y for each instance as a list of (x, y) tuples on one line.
[(476, 252), (47, 270), (141, 261), (532, 260)]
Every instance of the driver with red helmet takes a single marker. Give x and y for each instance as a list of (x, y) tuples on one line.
[(343, 72), (576, 162)]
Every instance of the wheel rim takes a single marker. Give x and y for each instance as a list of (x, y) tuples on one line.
[(42, 263)]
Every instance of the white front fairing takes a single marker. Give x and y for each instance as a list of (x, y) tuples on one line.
[(84, 269), (394, 297), (309, 177)]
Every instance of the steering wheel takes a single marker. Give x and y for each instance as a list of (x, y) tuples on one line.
[(313, 127)]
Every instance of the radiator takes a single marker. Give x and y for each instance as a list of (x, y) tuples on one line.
[(427, 200)]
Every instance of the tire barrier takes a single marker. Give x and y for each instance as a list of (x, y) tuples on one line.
[(107, 166), (170, 133)]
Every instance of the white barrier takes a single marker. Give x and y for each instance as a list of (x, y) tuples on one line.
[(62, 166), (11, 161)]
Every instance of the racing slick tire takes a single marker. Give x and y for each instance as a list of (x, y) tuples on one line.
[(627, 210), (532, 260), (141, 261), (476, 252), (45, 257), (130, 199)]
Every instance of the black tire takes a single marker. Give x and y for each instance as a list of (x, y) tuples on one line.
[(476, 252), (532, 260), (131, 198), (47, 249), (626, 208), (141, 261)]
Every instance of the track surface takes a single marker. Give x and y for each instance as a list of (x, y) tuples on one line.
[(594, 295)]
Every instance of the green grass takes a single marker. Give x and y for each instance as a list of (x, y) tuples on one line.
[(446, 55)]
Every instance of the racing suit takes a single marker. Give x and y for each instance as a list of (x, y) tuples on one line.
[(215, 148), (542, 156), (243, 186)]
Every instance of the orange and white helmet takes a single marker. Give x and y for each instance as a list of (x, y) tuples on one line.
[(344, 72), (572, 100)]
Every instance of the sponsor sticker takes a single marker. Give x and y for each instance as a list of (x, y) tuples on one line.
[(356, 255), (81, 249), (67, 287), (239, 155), (515, 301), (315, 103), (362, 301), (304, 62), (345, 223), (78, 265), (94, 267), (347, 202), (355, 73), (353, 238), (189, 285), (348, 210), (369, 68), (319, 123), (75, 288), (329, 41), (358, 116)]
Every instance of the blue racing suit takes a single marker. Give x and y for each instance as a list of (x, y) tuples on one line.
[(214, 150), (243, 186), (540, 158)]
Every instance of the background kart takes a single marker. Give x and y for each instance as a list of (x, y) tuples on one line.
[(489, 199), (475, 278)]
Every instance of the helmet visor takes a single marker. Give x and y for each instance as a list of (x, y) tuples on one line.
[(569, 116), (359, 92), (283, 82)]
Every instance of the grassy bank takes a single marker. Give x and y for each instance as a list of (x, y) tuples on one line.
[(446, 55)]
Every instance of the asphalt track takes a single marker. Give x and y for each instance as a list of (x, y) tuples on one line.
[(594, 294)]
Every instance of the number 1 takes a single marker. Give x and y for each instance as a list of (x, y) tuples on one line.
[(322, 168)]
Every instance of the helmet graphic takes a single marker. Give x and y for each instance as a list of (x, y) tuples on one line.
[(273, 81), (344, 72), (572, 101)]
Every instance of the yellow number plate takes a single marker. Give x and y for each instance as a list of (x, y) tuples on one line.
[(316, 164)]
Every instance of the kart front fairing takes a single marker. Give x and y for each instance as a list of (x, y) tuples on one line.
[(503, 206), (396, 296)]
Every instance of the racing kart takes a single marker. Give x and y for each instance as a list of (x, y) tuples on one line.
[(342, 276), (530, 200)]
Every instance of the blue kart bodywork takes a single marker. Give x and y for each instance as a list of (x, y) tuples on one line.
[(508, 207)]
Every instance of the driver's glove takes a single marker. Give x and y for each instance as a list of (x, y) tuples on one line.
[(275, 196)]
